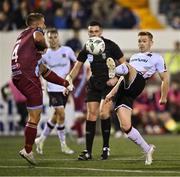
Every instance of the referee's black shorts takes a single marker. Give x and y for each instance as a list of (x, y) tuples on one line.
[(127, 94), (97, 89)]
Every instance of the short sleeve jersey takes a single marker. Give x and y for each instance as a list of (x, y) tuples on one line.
[(25, 56), (98, 65), (148, 63), (58, 61)]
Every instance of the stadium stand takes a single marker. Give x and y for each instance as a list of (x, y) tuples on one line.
[(170, 9), (142, 10), (76, 14)]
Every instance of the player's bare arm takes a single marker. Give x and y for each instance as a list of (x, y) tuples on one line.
[(43, 68), (164, 87), (40, 41), (74, 72), (45, 72)]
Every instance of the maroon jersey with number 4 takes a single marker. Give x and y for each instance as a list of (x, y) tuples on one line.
[(25, 56)]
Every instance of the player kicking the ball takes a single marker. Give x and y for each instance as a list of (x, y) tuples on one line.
[(141, 67)]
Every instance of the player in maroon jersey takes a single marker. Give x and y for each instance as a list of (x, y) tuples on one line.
[(26, 68)]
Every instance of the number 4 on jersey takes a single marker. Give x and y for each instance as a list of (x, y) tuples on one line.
[(14, 54)]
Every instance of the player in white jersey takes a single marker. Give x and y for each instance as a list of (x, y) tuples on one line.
[(132, 82), (59, 59)]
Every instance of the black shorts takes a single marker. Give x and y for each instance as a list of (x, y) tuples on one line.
[(57, 99), (126, 95), (97, 89)]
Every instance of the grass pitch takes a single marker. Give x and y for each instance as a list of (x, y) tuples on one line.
[(126, 159)]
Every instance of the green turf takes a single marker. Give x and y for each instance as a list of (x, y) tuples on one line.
[(125, 159)]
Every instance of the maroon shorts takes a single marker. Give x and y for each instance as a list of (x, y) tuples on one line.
[(31, 89), (79, 102)]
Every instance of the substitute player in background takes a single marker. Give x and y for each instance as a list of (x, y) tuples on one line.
[(141, 67), (58, 58), (97, 89), (26, 67)]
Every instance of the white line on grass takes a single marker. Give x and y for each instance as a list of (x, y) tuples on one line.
[(113, 159), (93, 169)]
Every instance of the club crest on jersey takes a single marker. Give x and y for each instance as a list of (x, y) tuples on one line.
[(104, 56), (63, 55), (90, 58)]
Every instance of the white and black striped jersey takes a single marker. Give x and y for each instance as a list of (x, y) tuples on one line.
[(148, 63), (58, 61)]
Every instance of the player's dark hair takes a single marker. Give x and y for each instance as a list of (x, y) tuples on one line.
[(52, 30), (33, 17), (146, 33), (95, 23)]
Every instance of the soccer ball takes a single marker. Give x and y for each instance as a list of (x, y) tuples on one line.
[(95, 45)]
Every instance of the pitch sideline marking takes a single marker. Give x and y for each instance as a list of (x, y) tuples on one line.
[(115, 159), (94, 169)]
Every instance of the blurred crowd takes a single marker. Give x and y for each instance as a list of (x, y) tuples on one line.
[(170, 8), (75, 14), (154, 118), (63, 14)]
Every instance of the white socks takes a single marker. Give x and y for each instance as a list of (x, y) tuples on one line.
[(47, 129), (135, 136), (61, 133), (122, 69)]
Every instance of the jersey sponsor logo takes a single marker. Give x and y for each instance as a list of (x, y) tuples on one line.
[(58, 65), (139, 59), (90, 58)]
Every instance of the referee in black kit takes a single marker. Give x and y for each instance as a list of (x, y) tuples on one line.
[(98, 88)]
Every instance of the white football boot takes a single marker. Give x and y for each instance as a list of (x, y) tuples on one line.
[(149, 154), (111, 67), (39, 145), (66, 149), (28, 156)]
